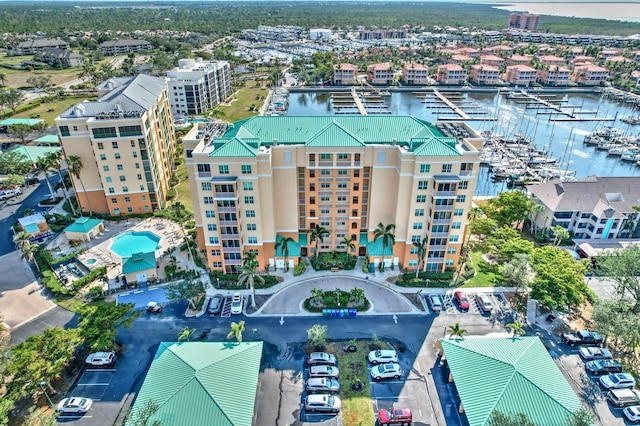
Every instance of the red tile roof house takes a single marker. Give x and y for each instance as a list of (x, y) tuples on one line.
[(484, 74), (590, 75), (345, 74), (519, 60), (581, 60), (451, 74), (460, 59), (380, 74), (554, 76), (552, 60), (493, 60), (521, 75), (415, 74)]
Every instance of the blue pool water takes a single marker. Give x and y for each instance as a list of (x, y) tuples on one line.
[(124, 245), (90, 261)]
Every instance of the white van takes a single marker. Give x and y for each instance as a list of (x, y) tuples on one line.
[(622, 397), (435, 303)]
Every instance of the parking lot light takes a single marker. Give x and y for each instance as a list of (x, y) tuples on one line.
[(42, 385), (254, 333), (444, 331)]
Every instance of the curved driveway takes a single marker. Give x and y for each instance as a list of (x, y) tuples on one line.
[(289, 300)]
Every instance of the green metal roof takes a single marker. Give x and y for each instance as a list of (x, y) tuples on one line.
[(27, 121), (83, 225), (48, 139), (294, 248), (244, 138), (202, 384), (32, 153), (139, 262), (510, 375)]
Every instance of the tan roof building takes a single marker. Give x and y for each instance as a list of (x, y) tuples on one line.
[(554, 76), (493, 60), (522, 75), (417, 74), (266, 178), (125, 141), (344, 73), (519, 60), (380, 74), (484, 74), (552, 60), (590, 75), (451, 74)]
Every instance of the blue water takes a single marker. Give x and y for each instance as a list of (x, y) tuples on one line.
[(128, 243), (562, 139)]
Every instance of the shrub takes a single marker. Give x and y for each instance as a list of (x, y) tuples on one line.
[(51, 282), (299, 269), (426, 279)]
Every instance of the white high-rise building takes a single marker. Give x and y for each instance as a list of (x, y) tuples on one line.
[(196, 86)]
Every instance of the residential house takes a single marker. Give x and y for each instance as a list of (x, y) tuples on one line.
[(380, 74), (590, 75), (492, 60), (415, 74), (451, 74), (460, 59), (484, 74), (61, 58), (519, 60), (552, 60), (554, 76), (521, 75), (122, 47), (344, 74), (33, 47)]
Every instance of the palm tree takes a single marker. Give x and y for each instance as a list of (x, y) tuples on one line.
[(474, 213), (74, 165), (237, 328), (181, 213), (516, 328), (457, 331), (317, 294), (56, 162), (559, 234), (44, 164), (28, 253), (283, 244), (248, 276), (349, 244), (249, 257), (21, 240), (536, 208), (388, 238), (317, 234), (422, 253), (185, 334)]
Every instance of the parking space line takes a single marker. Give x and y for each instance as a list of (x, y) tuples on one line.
[(93, 384), (139, 291), (101, 370), (392, 397)]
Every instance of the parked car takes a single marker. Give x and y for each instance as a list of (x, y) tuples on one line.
[(9, 193), (154, 307), (618, 381), (236, 304), (593, 352), (386, 371), (622, 397), (324, 371), (322, 402), (435, 303), (321, 358), (462, 300), (74, 404), (31, 180), (215, 305), (382, 356), (101, 358), (632, 413), (582, 337), (603, 366), (484, 303), (396, 416), (322, 385)]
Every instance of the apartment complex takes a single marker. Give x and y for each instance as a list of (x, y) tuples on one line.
[(125, 141), (415, 74), (451, 74), (380, 74), (522, 75), (32, 47), (524, 21), (121, 47), (344, 73), (484, 74), (196, 86), (592, 208), (259, 180), (590, 75)]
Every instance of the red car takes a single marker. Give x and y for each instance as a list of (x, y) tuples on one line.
[(462, 300), (395, 417)]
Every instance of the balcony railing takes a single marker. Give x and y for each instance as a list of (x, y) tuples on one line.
[(466, 172), (325, 163), (443, 208), (204, 174), (226, 209), (343, 163), (449, 194), (226, 195)]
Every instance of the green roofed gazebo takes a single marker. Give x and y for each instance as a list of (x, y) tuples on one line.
[(517, 376), (47, 140), (13, 121), (201, 384), (84, 229), (139, 267)]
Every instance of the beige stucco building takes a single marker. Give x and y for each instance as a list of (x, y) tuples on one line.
[(265, 178), (125, 141)]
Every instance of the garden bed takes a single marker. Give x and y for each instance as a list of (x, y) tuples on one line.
[(354, 299)]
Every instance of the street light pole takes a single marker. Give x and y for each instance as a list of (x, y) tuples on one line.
[(254, 333), (444, 331), (42, 384)]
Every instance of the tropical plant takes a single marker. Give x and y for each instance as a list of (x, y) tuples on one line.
[(317, 294), (185, 334), (356, 294), (422, 253), (237, 328), (559, 234), (456, 330), (386, 233), (248, 276), (56, 163), (317, 234), (28, 253), (317, 335), (44, 165), (180, 212), (349, 244), (283, 244), (74, 165), (516, 328)]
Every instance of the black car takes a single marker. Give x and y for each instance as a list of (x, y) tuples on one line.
[(31, 180), (215, 304), (603, 366)]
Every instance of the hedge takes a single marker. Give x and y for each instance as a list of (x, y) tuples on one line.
[(426, 279), (230, 281), (299, 269)]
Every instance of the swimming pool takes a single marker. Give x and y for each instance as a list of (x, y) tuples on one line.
[(90, 261), (128, 243)]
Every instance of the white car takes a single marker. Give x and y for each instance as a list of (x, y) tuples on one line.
[(324, 371), (386, 371), (592, 352), (74, 404), (101, 359), (484, 303), (236, 304), (382, 356), (632, 413), (618, 381)]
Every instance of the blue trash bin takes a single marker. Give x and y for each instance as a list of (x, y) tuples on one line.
[(324, 312), (342, 312), (353, 312), (334, 312)]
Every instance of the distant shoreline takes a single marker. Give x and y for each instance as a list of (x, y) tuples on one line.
[(619, 11)]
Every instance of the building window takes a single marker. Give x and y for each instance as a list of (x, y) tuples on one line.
[(112, 190), (100, 145), (342, 185), (425, 168), (419, 212), (446, 168), (423, 184), (208, 200), (129, 209), (114, 201), (127, 199), (114, 145), (461, 198), (214, 240), (141, 187), (248, 200), (354, 200), (417, 225), (103, 157), (133, 143), (139, 176), (104, 132), (414, 250), (325, 172), (413, 262), (119, 167), (455, 225), (135, 154), (343, 172), (458, 212), (287, 157), (325, 185), (64, 130), (251, 226), (246, 169), (125, 189), (146, 208), (325, 156), (325, 211), (137, 165), (415, 239), (252, 240), (223, 170), (452, 250), (108, 179), (247, 186), (215, 252), (216, 264), (382, 157), (144, 198), (105, 168), (206, 186), (453, 238), (448, 262), (210, 213), (421, 199), (212, 227), (464, 184), (116, 211), (250, 213), (122, 178)]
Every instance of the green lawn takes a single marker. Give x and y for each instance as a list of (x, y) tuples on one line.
[(242, 100), (486, 274), (49, 111), (182, 190)]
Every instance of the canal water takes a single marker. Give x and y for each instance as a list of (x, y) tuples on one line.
[(561, 139)]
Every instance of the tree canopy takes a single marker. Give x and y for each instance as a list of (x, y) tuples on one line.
[(508, 208), (623, 268), (505, 242), (99, 323)]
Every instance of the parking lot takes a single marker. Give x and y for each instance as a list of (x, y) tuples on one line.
[(498, 301), (92, 384)]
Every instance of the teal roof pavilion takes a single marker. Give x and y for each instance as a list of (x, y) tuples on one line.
[(83, 225), (245, 137), (517, 376), (201, 384), (138, 262)]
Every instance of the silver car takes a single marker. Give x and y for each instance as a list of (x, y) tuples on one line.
[(386, 371), (484, 303), (74, 405), (591, 352), (618, 381), (435, 303), (322, 385), (324, 371), (322, 402), (382, 356)]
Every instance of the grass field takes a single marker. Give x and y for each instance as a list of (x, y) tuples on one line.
[(238, 109), (487, 275), (49, 111), (182, 190)]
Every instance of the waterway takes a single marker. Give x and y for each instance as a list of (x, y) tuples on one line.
[(561, 139)]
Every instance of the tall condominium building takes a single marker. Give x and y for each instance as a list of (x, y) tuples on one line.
[(524, 21), (259, 180), (125, 141), (196, 86)]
